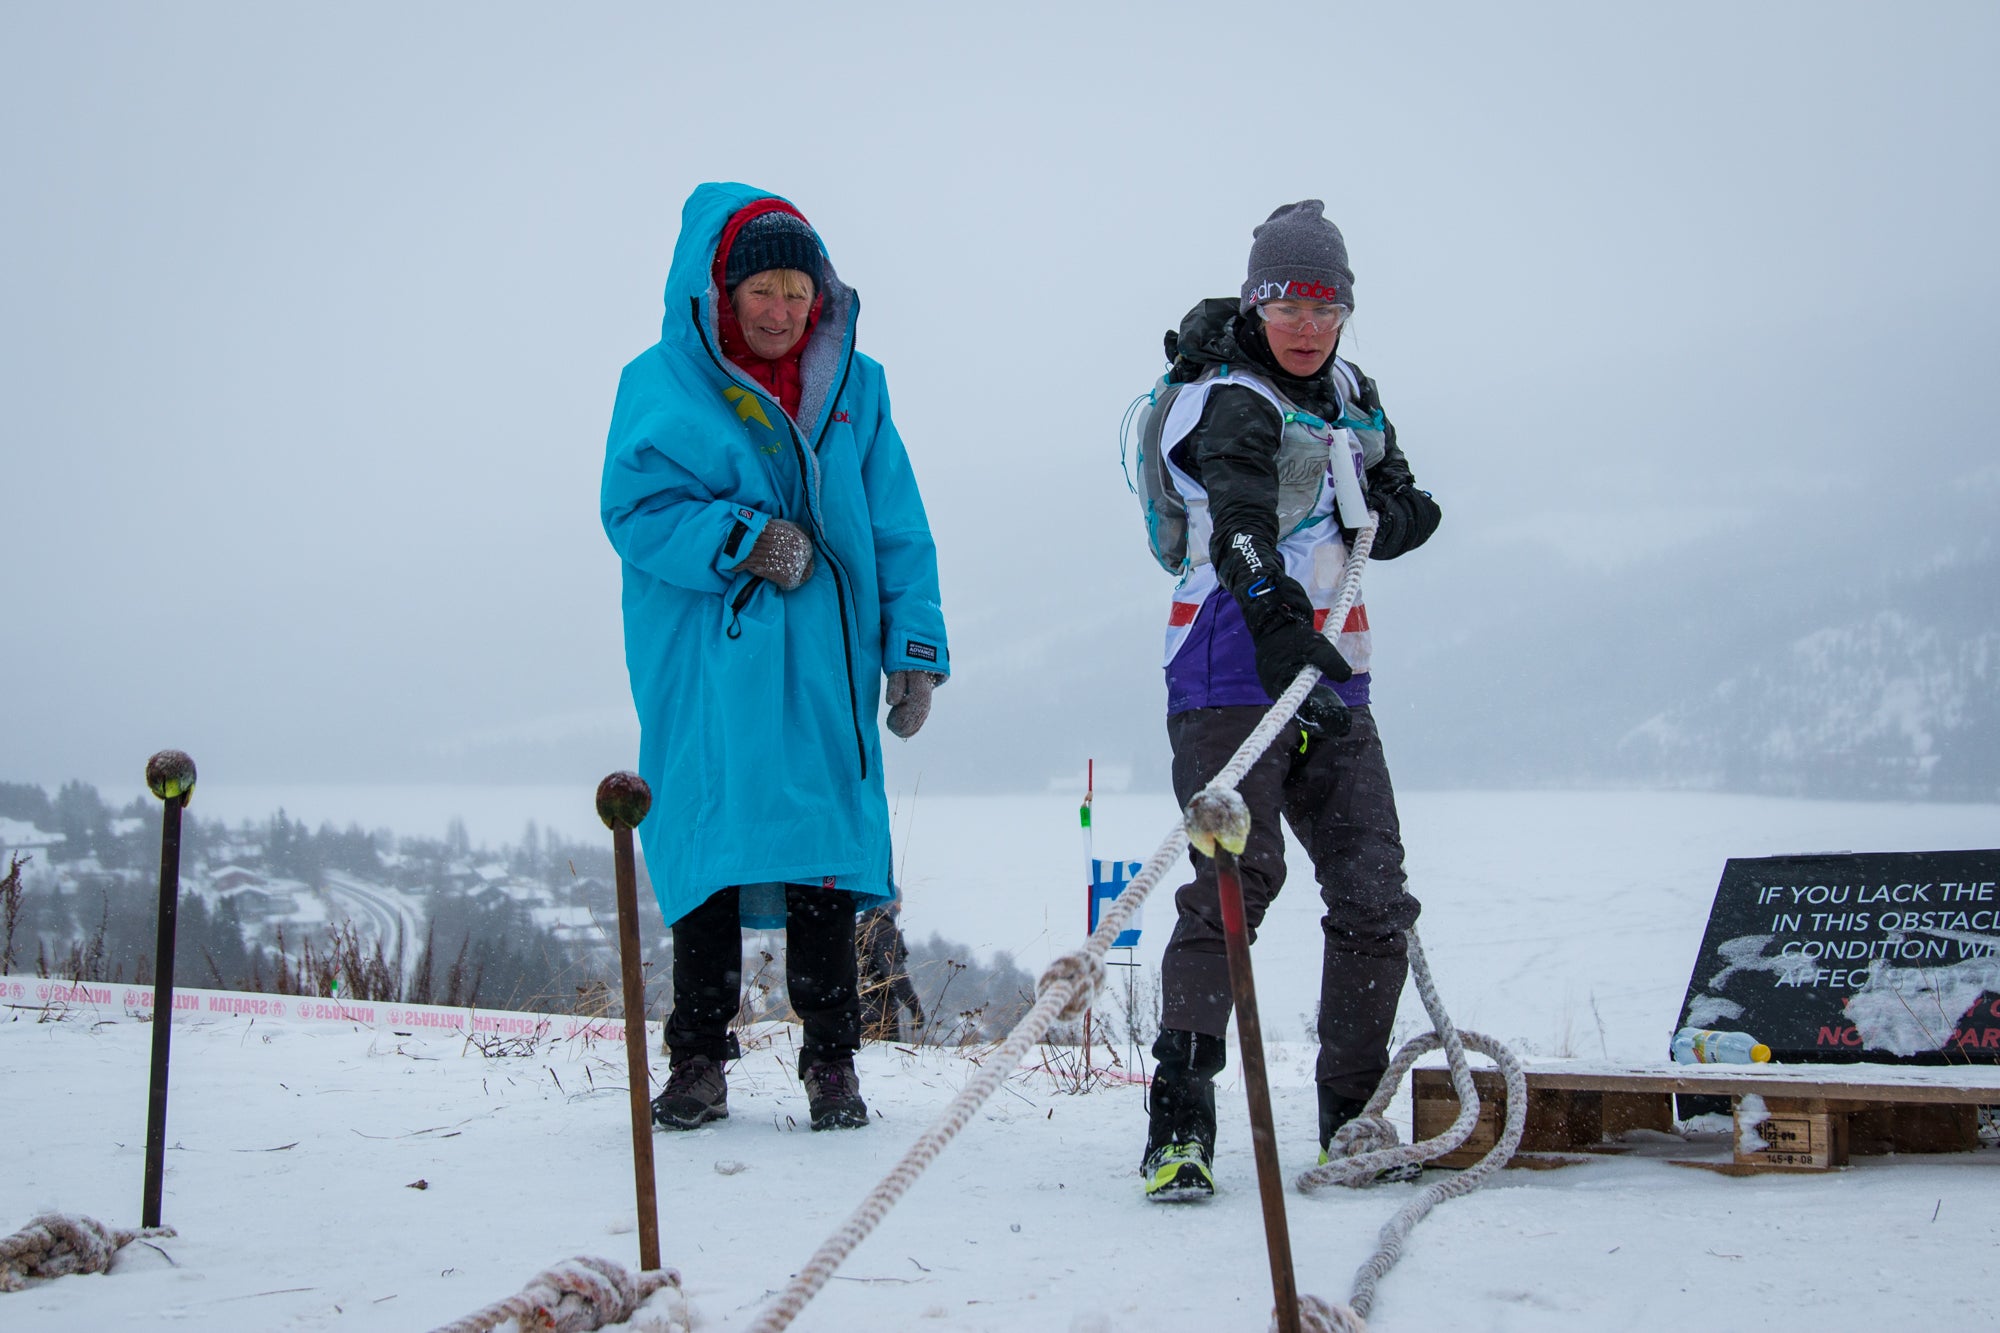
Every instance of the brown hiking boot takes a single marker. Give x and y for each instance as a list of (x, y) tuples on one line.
[(833, 1095), (696, 1093)]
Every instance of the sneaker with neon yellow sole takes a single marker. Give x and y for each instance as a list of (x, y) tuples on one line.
[(1178, 1173)]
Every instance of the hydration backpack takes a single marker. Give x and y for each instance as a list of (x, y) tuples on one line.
[(1303, 452)]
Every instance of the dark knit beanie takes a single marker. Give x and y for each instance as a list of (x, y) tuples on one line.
[(1297, 255), (773, 240)]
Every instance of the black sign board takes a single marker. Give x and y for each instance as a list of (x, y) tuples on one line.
[(1890, 957)]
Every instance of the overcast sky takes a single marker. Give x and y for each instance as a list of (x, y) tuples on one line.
[(311, 316)]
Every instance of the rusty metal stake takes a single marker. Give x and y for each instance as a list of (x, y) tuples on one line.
[(170, 775), (1263, 1134), (622, 802)]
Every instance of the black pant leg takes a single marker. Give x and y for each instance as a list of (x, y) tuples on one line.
[(821, 975), (1194, 972), (708, 979), (1341, 805)]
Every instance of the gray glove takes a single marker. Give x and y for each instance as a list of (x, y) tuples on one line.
[(782, 555), (909, 698)]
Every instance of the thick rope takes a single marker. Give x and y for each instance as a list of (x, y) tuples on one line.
[(1318, 1316), (575, 1296), (1366, 1145), (1064, 990), (1067, 987), (57, 1244)]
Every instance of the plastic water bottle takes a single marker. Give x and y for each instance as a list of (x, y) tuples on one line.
[(1702, 1046)]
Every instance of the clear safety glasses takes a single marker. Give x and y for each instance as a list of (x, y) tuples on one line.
[(1303, 316)]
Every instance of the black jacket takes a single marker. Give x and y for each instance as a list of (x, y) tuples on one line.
[(1233, 449)]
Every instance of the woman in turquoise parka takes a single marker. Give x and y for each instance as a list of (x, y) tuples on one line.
[(777, 567)]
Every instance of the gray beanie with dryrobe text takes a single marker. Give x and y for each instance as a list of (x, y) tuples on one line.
[(1297, 255)]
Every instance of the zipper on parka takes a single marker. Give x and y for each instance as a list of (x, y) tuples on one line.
[(812, 517)]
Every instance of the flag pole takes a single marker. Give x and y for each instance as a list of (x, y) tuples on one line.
[(1089, 887)]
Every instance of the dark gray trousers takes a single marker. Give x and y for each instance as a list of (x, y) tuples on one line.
[(1336, 796)]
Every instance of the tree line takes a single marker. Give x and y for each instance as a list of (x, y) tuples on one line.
[(83, 907)]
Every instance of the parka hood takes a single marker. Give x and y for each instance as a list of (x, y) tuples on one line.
[(691, 289), (691, 276)]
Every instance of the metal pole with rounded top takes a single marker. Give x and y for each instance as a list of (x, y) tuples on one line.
[(622, 802), (1218, 824), (170, 774)]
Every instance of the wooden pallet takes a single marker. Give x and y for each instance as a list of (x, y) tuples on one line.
[(1787, 1117)]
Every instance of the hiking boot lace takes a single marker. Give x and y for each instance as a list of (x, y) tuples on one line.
[(832, 1079), (683, 1077)]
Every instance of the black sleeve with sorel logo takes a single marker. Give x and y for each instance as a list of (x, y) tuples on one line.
[(1234, 452)]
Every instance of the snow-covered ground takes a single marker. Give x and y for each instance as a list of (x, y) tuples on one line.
[(1564, 923)]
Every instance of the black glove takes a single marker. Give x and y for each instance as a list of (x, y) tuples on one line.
[(1279, 616), (1406, 518)]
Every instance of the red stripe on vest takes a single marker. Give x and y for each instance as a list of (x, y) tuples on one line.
[(1183, 613), (1357, 620)]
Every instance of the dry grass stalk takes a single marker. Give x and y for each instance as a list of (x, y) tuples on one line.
[(10, 909)]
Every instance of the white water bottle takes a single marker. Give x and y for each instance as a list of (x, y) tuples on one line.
[(1702, 1046)]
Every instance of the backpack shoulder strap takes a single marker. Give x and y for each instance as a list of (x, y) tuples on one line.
[(1355, 387), (1184, 412)]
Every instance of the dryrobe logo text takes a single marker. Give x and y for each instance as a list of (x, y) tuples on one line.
[(1294, 291)]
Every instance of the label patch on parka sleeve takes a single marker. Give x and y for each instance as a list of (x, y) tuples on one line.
[(922, 652)]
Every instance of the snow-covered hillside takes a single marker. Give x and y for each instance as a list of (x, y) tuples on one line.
[(1900, 700), (1564, 923), (1858, 657)]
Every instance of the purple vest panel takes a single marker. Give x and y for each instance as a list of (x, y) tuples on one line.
[(1217, 668)]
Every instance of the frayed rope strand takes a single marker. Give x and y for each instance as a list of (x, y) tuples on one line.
[(575, 1296), (58, 1244)]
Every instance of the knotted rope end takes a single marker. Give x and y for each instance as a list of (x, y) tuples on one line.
[(1085, 972), (1218, 817), (58, 1244), (1318, 1316), (578, 1294)]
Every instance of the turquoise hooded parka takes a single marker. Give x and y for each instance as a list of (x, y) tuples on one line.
[(757, 708)]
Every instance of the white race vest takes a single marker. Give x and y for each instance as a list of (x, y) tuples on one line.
[(1316, 461)]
